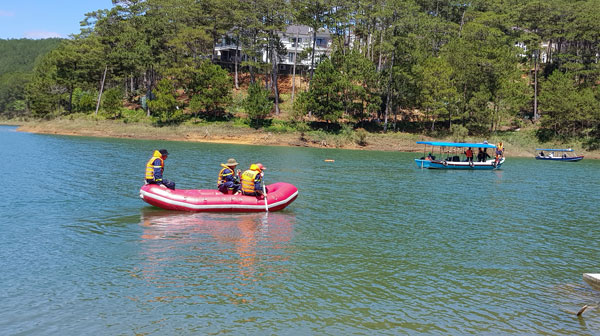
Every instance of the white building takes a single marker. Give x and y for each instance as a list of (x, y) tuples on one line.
[(295, 39)]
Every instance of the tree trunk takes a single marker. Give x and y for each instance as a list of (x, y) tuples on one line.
[(101, 88), (237, 42), (70, 98), (389, 95), (462, 22), (267, 77), (274, 80), (535, 84), (294, 68), (380, 50), (312, 58)]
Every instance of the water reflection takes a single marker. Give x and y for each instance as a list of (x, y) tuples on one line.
[(215, 257)]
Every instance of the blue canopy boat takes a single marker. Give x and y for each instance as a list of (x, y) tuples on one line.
[(563, 155), (452, 155)]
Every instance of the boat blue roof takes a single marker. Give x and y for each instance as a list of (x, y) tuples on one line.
[(457, 144), (555, 150)]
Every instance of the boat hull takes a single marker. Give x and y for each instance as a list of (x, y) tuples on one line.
[(280, 195), (592, 279), (567, 159), (461, 165)]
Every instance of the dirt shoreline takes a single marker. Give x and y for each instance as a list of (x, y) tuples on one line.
[(402, 142)]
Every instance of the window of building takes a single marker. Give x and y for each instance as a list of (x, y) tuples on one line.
[(293, 41), (291, 57)]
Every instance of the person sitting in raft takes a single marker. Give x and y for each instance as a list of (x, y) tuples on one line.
[(430, 157), (155, 169), (542, 153), (469, 154), (228, 181), (252, 180)]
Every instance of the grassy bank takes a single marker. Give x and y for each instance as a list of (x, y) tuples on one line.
[(520, 143)]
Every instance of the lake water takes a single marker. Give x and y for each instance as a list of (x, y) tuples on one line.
[(372, 245)]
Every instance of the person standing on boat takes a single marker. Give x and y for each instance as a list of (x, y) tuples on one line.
[(485, 155), (500, 147), (156, 167), (228, 181), (252, 180), (469, 154), (482, 155), (498, 156)]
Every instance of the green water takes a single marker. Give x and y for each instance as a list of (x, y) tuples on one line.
[(372, 245)]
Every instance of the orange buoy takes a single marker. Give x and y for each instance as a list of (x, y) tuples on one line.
[(329, 160)]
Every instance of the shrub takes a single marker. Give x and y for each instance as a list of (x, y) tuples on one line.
[(112, 102), (164, 106), (83, 101), (459, 132), (361, 137), (257, 104)]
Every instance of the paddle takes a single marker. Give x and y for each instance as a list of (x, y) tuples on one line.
[(264, 191)]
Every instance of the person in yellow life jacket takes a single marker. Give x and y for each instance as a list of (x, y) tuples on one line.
[(156, 167), (500, 147), (252, 180), (228, 181)]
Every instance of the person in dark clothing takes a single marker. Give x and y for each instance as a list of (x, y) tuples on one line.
[(156, 167), (228, 181), (482, 156)]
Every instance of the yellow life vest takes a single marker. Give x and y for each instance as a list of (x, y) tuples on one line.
[(249, 177), (150, 166), (221, 178)]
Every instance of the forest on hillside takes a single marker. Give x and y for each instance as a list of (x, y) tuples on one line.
[(429, 66), (17, 59)]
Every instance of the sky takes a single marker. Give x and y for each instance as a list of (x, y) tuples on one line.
[(37, 19)]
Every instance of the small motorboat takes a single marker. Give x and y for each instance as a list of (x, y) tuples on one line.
[(451, 156), (557, 155), (279, 196)]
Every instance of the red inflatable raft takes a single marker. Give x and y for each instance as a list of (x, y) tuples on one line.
[(279, 196)]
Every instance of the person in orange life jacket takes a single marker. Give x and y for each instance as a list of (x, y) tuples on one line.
[(252, 180), (469, 154), (501, 148), (156, 167), (499, 154), (228, 181)]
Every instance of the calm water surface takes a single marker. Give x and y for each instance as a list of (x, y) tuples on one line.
[(372, 245)]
